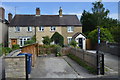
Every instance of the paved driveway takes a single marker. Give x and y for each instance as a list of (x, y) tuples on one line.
[(53, 67)]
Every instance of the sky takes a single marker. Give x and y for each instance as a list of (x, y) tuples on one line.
[(52, 8)]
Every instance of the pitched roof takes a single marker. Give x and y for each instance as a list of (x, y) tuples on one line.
[(45, 20), (76, 34)]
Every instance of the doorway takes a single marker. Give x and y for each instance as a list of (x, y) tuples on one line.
[(80, 43), (13, 41)]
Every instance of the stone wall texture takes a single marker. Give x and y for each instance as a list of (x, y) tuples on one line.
[(15, 67), (89, 58)]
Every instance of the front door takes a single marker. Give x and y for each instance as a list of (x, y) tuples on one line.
[(13, 41), (80, 43)]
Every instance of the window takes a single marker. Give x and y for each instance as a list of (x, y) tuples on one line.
[(29, 28), (53, 28), (41, 28), (23, 40), (70, 28), (69, 39), (17, 29)]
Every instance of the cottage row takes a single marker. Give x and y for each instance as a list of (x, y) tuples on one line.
[(23, 27)]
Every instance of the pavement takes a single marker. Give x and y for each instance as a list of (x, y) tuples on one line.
[(52, 67), (111, 63)]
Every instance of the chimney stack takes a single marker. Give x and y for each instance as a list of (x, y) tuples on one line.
[(37, 12), (9, 17), (60, 12), (2, 13)]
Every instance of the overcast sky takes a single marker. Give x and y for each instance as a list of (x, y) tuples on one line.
[(51, 8)]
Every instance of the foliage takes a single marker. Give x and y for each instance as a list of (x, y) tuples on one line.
[(0, 49), (15, 47), (33, 40), (58, 38), (73, 43), (46, 40), (6, 50), (50, 49), (57, 50), (82, 63), (105, 35), (115, 31)]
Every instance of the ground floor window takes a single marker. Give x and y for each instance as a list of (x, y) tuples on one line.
[(23, 40), (69, 39)]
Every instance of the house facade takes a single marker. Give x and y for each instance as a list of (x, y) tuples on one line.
[(3, 28), (23, 27)]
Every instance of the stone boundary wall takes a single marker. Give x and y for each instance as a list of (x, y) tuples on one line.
[(111, 48), (89, 58), (15, 67)]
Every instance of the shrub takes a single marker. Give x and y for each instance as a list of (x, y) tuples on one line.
[(46, 40), (33, 40), (105, 35), (73, 43), (58, 38), (16, 46)]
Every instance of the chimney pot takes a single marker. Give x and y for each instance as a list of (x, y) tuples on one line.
[(9, 17), (37, 12), (60, 12)]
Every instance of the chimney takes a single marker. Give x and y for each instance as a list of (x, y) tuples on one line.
[(2, 13), (60, 12), (9, 17), (37, 12)]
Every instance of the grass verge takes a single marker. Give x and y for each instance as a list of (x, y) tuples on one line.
[(81, 63)]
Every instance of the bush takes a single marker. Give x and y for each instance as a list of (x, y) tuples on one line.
[(16, 46), (58, 39), (33, 40), (73, 43), (46, 40), (105, 35)]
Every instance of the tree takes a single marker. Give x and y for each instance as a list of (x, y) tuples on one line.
[(46, 40), (33, 40), (91, 20), (105, 35), (58, 38)]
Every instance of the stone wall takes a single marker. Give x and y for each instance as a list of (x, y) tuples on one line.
[(111, 48), (15, 67), (88, 58)]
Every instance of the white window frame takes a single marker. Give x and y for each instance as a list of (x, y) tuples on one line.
[(29, 28), (41, 28), (69, 39), (70, 28), (17, 29), (53, 28), (23, 41)]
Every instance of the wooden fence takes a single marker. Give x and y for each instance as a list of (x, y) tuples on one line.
[(32, 49)]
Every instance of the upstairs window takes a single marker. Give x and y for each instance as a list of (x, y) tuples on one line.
[(70, 29), (17, 29), (53, 28), (29, 28), (41, 28)]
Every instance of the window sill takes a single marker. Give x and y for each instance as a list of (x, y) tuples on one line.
[(29, 31), (70, 31), (53, 31), (17, 31)]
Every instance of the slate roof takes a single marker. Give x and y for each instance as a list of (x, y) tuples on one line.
[(45, 20)]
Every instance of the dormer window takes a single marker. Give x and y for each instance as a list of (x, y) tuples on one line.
[(53, 28), (70, 29), (17, 29), (29, 28), (41, 28)]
